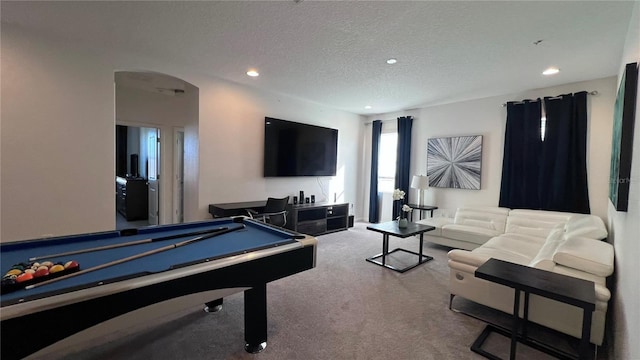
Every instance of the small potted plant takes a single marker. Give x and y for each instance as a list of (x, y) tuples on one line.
[(398, 195)]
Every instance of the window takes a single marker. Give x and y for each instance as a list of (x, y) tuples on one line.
[(387, 162)]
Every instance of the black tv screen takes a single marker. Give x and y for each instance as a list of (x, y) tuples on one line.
[(295, 149)]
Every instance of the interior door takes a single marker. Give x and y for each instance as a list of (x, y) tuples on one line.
[(153, 153)]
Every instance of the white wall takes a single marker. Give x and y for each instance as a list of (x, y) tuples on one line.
[(231, 139), (58, 138), (624, 231), (57, 133), (487, 117)]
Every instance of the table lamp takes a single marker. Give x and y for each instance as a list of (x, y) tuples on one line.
[(420, 182)]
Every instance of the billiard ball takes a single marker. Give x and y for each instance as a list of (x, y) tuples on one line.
[(46, 263), (8, 282), (56, 268), (29, 271), (41, 273), (14, 272), (24, 277), (71, 264)]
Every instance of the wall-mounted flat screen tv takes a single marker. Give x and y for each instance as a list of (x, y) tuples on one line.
[(295, 149)]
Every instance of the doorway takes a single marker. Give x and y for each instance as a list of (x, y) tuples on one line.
[(137, 176), (170, 106)]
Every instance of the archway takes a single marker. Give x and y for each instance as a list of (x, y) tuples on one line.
[(167, 107)]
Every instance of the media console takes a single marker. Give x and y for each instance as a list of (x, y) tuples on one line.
[(318, 218), (312, 219)]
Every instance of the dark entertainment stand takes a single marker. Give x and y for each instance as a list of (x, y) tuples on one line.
[(318, 218), (312, 219)]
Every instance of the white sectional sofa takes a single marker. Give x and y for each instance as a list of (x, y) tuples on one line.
[(565, 243)]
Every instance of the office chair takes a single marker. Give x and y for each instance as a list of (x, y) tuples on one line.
[(275, 212)]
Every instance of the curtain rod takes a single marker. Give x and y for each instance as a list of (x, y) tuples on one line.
[(594, 92), (371, 122)]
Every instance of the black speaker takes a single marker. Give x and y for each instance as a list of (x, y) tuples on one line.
[(306, 200), (301, 197), (134, 170), (313, 198), (295, 200)]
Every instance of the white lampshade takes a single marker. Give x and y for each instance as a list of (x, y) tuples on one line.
[(420, 182)]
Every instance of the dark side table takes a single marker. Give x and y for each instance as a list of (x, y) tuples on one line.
[(422, 208), (390, 228), (566, 289)]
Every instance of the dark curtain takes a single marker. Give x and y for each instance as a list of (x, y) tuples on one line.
[(376, 130), (563, 172), (521, 162), (549, 174), (403, 158)]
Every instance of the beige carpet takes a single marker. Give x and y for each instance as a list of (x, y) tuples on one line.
[(345, 308)]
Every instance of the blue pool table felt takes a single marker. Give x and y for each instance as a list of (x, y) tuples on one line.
[(252, 236)]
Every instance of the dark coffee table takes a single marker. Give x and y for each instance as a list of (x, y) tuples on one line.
[(391, 228)]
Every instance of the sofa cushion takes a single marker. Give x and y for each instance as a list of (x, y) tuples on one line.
[(472, 234), (522, 245), (487, 209), (437, 222), (531, 226), (589, 255), (492, 220), (502, 254), (543, 215)]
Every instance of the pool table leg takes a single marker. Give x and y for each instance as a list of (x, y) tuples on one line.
[(255, 318), (213, 306)]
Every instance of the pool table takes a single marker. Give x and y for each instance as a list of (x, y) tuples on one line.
[(247, 256)]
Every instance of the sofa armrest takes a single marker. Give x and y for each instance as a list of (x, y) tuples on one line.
[(467, 257)]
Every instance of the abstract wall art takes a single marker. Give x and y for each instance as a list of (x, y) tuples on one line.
[(455, 162), (622, 139)]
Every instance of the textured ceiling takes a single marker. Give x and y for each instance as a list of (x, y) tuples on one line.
[(334, 53)]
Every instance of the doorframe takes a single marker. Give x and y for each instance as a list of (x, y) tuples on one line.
[(177, 211), (162, 149)]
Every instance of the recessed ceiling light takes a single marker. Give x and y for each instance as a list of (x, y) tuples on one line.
[(253, 73), (368, 107), (392, 61), (551, 71)]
